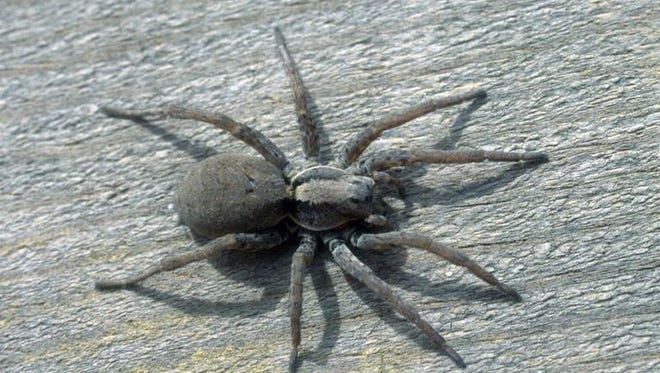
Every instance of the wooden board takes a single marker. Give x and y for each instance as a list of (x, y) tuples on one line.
[(85, 196)]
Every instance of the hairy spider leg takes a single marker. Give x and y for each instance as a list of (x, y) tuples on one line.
[(248, 135), (310, 136), (356, 145), (235, 241), (353, 266), (389, 240), (301, 260), (383, 178), (397, 158)]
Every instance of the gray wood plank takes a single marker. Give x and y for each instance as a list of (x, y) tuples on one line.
[(84, 196)]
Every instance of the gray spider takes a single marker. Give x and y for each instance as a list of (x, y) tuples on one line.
[(243, 202)]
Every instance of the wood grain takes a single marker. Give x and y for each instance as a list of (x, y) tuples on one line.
[(84, 196)]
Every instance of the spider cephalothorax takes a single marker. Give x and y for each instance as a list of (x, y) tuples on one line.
[(240, 201), (328, 197)]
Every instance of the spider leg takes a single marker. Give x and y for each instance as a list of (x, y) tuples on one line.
[(356, 145), (310, 137), (235, 241), (376, 221), (240, 131), (384, 178), (385, 241), (301, 259), (397, 158), (353, 266)]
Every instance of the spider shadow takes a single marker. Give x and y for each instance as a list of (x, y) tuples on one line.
[(245, 267), (327, 301), (325, 150), (456, 129), (485, 182), (482, 186), (194, 149), (267, 270), (407, 175), (389, 267)]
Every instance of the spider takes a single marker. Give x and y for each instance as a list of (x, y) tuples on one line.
[(242, 202)]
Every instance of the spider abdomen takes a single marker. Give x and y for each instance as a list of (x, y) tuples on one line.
[(231, 193)]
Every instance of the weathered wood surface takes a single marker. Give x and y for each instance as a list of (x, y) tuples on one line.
[(84, 196)]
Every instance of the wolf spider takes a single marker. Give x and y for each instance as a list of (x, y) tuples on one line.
[(243, 202)]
